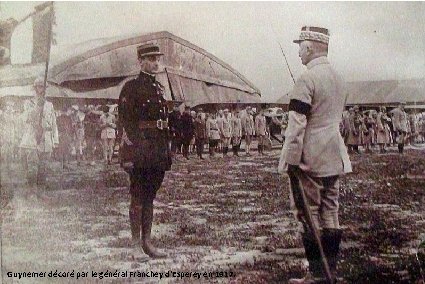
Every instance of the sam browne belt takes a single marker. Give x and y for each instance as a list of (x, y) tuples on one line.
[(150, 124)]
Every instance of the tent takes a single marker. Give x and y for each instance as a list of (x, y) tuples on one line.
[(98, 69)]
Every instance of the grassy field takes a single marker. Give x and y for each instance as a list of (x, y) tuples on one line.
[(228, 216)]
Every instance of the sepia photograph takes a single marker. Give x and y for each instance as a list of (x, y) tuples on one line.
[(212, 142)]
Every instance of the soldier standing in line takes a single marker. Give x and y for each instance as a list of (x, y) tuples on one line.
[(400, 126), (91, 131), (65, 128), (78, 118), (225, 126), (174, 121), (261, 130), (187, 131), (355, 130), (248, 127), (108, 135), (40, 136), (383, 133), (144, 151), (200, 134), (236, 132), (314, 154), (213, 133)]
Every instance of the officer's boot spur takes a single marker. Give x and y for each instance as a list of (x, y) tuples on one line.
[(147, 219)]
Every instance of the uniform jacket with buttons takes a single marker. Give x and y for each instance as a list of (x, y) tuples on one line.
[(213, 132), (313, 140), (142, 100)]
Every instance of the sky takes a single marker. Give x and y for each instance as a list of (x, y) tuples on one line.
[(369, 40)]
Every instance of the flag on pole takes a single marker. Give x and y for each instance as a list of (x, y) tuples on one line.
[(43, 19)]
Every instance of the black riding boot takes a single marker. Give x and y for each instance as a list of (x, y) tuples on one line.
[(147, 219), (135, 213), (331, 240), (312, 253)]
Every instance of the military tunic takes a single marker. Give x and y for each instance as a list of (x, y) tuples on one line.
[(313, 141), (142, 103), (383, 130)]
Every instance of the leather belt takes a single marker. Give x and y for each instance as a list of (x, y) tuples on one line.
[(151, 124)]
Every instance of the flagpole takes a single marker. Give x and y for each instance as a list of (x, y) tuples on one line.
[(41, 102), (49, 43)]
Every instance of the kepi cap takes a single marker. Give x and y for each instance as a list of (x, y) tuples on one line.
[(313, 34), (148, 49)]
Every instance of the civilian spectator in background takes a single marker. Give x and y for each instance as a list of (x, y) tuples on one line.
[(78, 126), (187, 131), (108, 126), (200, 134), (213, 133), (261, 130), (248, 129), (65, 130), (92, 133), (225, 126), (236, 132)]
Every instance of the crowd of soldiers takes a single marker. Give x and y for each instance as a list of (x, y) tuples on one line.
[(85, 132), (383, 128), (88, 131), (221, 131), (81, 133)]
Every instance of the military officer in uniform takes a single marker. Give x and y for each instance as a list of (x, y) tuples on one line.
[(144, 152), (314, 154)]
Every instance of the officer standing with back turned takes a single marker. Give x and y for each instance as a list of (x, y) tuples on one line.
[(314, 154), (144, 151)]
